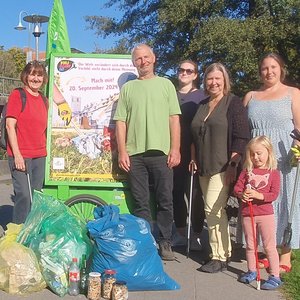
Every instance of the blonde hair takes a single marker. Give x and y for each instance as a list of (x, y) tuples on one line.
[(263, 140), (218, 67)]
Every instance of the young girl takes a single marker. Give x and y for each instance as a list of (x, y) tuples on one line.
[(261, 175)]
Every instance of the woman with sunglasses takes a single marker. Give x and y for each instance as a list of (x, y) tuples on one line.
[(220, 133), (26, 129), (189, 96)]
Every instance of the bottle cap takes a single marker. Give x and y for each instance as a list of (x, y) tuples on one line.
[(95, 274), (110, 272)]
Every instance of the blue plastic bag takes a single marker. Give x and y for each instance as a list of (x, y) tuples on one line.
[(125, 243)]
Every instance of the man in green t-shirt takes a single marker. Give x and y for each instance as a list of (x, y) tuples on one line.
[(148, 137)]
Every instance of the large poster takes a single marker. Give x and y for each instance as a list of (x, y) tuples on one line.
[(84, 93)]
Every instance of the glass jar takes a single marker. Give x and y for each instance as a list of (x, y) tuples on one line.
[(94, 286), (109, 279), (119, 291)]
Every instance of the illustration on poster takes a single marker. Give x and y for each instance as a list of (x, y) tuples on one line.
[(87, 141)]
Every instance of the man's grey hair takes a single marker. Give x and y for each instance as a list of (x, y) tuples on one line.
[(139, 46)]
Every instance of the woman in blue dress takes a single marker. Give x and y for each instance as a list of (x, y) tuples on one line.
[(274, 111)]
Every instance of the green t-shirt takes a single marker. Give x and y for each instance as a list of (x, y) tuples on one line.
[(145, 107)]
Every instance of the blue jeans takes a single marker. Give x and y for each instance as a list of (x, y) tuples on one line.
[(154, 168), (22, 202)]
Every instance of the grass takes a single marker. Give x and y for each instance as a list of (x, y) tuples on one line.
[(291, 287), (79, 164)]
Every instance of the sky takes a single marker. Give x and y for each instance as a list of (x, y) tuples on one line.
[(80, 37)]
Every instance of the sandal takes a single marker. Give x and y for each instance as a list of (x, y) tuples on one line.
[(247, 277), (285, 269), (263, 263), (272, 283)]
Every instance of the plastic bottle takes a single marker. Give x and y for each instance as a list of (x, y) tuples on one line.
[(74, 278), (83, 276)]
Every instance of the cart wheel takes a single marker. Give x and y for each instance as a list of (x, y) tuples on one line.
[(82, 206)]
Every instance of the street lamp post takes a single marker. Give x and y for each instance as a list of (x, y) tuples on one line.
[(20, 27), (36, 21)]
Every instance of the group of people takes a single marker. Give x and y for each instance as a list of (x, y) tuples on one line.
[(235, 146), (220, 136)]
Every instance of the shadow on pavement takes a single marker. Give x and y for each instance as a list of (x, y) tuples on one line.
[(6, 212)]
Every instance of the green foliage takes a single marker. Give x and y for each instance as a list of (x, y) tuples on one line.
[(235, 33), (19, 58), (12, 62), (291, 287)]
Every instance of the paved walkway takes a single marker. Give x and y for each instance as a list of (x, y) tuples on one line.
[(195, 285)]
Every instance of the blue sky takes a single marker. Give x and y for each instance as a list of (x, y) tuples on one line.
[(75, 11)]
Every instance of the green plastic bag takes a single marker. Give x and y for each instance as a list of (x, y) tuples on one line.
[(56, 236)]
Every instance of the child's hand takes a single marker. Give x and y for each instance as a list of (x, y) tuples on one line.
[(250, 194), (247, 195)]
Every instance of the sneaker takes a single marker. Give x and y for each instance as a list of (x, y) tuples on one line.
[(272, 283), (214, 266), (165, 251), (248, 277), (196, 244)]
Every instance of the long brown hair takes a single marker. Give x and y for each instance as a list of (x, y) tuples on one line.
[(34, 67), (196, 81), (279, 60)]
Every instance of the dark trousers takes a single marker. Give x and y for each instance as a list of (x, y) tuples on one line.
[(142, 169), (22, 202), (182, 182)]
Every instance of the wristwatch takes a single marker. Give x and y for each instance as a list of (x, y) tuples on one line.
[(233, 164)]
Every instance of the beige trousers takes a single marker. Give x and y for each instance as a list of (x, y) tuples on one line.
[(215, 194)]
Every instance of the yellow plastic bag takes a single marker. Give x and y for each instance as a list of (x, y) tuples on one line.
[(19, 269)]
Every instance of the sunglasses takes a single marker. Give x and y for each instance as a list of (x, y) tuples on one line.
[(187, 71)]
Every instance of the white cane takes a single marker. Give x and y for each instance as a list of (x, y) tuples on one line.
[(190, 211), (28, 181)]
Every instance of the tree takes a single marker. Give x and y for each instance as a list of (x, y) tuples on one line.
[(236, 33), (12, 62)]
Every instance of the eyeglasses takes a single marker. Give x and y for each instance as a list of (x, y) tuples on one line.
[(187, 71)]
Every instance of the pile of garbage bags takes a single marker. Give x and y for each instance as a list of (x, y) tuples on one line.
[(38, 253), (43, 249)]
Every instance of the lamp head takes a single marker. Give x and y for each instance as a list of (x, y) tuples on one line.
[(20, 26), (37, 30)]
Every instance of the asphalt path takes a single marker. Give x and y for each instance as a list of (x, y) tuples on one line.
[(195, 285)]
